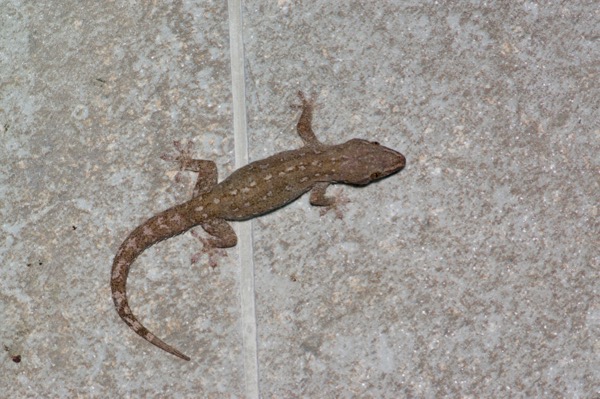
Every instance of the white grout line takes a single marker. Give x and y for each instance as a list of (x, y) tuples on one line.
[(244, 229)]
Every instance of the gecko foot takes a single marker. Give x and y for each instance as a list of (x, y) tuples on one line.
[(209, 249), (338, 207), (207, 170), (184, 158)]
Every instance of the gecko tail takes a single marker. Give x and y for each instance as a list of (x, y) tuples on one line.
[(127, 315), (118, 286), (164, 346), (144, 236)]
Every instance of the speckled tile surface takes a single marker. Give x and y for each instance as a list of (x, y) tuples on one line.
[(471, 273)]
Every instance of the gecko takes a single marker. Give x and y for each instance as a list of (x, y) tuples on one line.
[(250, 191)]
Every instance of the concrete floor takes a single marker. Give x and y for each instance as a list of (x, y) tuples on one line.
[(473, 273)]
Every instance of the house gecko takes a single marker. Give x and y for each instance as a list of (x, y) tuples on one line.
[(255, 189)]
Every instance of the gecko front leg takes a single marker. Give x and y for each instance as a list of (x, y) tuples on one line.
[(319, 197), (304, 126)]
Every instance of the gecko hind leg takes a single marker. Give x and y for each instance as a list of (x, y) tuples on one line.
[(222, 236), (207, 170)]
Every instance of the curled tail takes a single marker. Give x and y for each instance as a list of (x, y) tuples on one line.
[(167, 224)]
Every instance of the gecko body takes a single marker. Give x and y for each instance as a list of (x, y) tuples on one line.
[(255, 189)]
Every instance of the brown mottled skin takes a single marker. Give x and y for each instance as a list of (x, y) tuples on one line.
[(250, 191)]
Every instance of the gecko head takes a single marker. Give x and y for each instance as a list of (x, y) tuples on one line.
[(365, 161)]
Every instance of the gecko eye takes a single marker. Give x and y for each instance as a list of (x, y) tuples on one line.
[(375, 142), (375, 176)]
